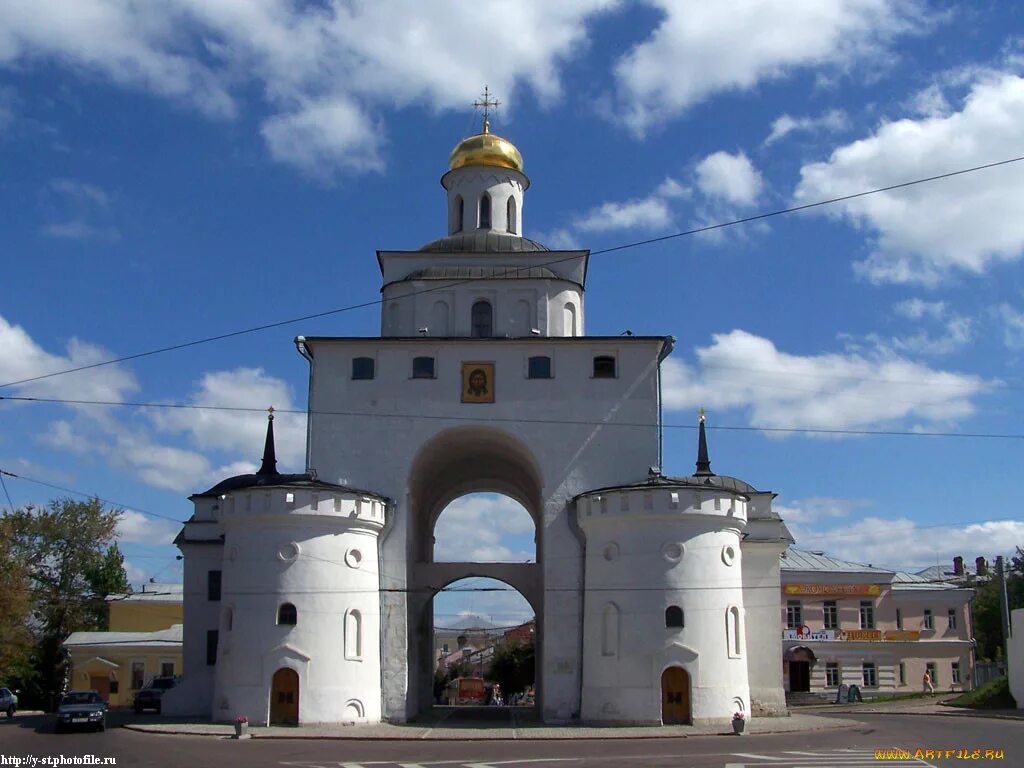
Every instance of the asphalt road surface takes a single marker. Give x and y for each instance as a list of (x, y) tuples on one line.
[(32, 736)]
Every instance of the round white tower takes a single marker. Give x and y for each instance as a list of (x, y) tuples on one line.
[(299, 636), (663, 618)]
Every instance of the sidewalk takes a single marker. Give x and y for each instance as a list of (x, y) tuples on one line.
[(932, 705), (444, 730)]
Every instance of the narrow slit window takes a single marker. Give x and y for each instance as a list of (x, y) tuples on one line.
[(460, 213), (483, 319), (485, 211), (511, 215)]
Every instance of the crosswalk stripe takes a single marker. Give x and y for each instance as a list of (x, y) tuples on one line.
[(758, 757)]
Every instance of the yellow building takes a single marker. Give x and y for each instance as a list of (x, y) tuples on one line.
[(144, 641)]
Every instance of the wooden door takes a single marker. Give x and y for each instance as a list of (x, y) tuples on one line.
[(675, 696), (100, 684), (799, 676), (284, 698)]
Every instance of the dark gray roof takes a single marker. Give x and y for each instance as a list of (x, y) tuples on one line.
[(495, 272), (304, 480), (483, 242), (726, 483)]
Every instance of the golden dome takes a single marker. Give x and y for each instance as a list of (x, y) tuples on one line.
[(486, 149)]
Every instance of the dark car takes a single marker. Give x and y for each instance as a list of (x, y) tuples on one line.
[(83, 709), (149, 697)]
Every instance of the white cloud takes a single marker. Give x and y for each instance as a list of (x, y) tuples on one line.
[(926, 232), (915, 309), (831, 121), (700, 48), (904, 544), (816, 509), (827, 391), (137, 528), (958, 332), (652, 212), (22, 358), (1013, 326), (732, 178), (323, 68), (484, 528), (240, 432)]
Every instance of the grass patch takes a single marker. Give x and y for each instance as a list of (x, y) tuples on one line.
[(992, 695)]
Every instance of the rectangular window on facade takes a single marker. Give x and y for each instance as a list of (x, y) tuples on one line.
[(929, 619), (115, 686), (832, 675), (870, 675), (423, 368), (934, 672), (538, 367), (794, 614), (138, 674), (213, 585), (903, 673), (867, 614), (899, 618), (831, 615), (363, 367), (604, 367), (954, 673), (211, 647), (166, 669), (952, 618)]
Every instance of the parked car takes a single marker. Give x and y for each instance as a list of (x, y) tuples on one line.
[(8, 702), (81, 709), (149, 697)]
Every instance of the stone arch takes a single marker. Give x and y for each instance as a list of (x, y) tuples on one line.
[(456, 462)]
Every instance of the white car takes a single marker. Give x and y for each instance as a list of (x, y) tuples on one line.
[(8, 702)]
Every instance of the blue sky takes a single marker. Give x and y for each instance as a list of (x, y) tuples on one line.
[(186, 169)]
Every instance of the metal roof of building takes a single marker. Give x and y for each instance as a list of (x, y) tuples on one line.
[(165, 637), (490, 272), (483, 242), (152, 593), (802, 560)]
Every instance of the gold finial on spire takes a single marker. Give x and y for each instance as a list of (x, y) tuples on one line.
[(270, 412), (487, 104), (701, 414)]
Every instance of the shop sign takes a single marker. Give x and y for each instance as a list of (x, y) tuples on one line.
[(902, 635), (833, 590), (805, 633)]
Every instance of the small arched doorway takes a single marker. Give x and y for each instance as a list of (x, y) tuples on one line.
[(799, 661), (675, 696), (284, 697)]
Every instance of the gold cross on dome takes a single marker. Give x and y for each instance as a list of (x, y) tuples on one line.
[(701, 412), (487, 104), (270, 412)]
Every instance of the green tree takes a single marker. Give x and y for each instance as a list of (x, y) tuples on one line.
[(15, 606), (987, 609), (513, 667), (72, 562)]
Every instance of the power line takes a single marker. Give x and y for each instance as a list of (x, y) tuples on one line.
[(7, 493), (449, 284), (522, 420)]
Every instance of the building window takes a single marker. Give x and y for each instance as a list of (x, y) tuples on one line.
[(166, 669), (831, 615), (569, 320), (954, 672), (362, 367), (485, 211), (423, 367), (903, 673), (213, 585), (733, 632), (460, 211), (287, 615), (952, 618), (929, 619), (138, 674), (604, 367), (933, 672), (867, 614), (832, 675), (539, 367), (794, 614), (610, 630), (510, 214), (483, 319), (353, 635), (444, 649), (674, 617), (115, 686), (899, 618), (211, 646), (870, 675)]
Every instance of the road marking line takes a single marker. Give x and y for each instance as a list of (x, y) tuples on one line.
[(756, 756)]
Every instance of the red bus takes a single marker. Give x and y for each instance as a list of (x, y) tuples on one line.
[(465, 690)]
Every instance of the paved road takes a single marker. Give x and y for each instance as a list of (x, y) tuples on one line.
[(850, 748)]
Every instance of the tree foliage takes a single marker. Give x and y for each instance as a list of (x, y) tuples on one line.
[(70, 562), (987, 609), (15, 607), (513, 667)]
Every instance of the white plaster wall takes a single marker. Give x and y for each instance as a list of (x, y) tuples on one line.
[(546, 299), (572, 458), (325, 581), (634, 561), (762, 598), (1015, 657), (471, 182)]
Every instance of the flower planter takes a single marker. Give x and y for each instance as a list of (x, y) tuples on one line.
[(738, 726), (241, 730)]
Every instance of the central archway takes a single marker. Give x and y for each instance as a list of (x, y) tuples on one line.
[(457, 462)]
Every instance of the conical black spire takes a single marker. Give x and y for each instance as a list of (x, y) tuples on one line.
[(703, 462), (269, 466)]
